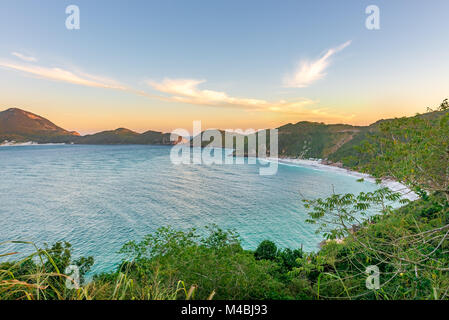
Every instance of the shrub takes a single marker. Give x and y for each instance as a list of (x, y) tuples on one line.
[(266, 250)]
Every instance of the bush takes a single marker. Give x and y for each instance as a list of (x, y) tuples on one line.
[(266, 250), (215, 263)]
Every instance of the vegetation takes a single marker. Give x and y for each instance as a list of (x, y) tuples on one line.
[(22, 126), (408, 245), (210, 266)]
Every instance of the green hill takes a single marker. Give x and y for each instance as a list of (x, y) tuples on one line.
[(314, 140), (125, 136), (23, 126), (334, 142)]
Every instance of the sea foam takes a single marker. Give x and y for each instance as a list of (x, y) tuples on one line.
[(318, 165)]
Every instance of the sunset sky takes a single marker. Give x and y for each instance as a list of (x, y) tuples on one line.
[(231, 64)]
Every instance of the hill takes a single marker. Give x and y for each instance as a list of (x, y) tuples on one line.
[(304, 139), (125, 136), (334, 143), (314, 140), (23, 126)]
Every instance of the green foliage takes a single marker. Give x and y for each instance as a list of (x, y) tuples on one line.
[(414, 151), (339, 214), (266, 250), (409, 244), (214, 262), (287, 259), (314, 140), (444, 106), (41, 274), (123, 136)]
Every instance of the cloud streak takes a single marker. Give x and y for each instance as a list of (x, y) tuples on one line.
[(24, 57), (308, 71), (188, 91), (62, 75)]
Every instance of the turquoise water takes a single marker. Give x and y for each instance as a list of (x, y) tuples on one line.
[(99, 197)]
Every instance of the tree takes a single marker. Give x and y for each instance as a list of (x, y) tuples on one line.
[(340, 214), (41, 275), (414, 151), (409, 245), (213, 262), (266, 250)]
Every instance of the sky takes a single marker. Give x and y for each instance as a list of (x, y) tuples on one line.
[(231, 64)]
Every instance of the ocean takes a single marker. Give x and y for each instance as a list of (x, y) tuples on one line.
[(99, 197)]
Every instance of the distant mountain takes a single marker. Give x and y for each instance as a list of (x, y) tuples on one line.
[(207, 139), (314, 140), (336, 142), (332, 142), (301, 140), (125, 136), (22, 126)]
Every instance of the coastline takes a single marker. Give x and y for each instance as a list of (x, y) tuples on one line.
[(28, 143), (18, 144), (326, 166), (316, 164)]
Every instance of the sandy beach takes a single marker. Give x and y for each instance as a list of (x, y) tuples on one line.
[(319, 165)]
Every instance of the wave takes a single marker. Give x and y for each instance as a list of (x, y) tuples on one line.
[(318, 165), (25, 144)]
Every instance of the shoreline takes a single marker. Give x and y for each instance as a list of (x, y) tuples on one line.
[(319, 165), (307, 163), (17, 144), (28, 143)]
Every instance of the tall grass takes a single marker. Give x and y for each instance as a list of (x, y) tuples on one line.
[(38, 277)]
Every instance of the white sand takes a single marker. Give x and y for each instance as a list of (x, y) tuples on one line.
[(29, 143), (318, 165)]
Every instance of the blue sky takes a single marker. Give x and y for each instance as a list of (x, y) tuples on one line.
[(161, 64)]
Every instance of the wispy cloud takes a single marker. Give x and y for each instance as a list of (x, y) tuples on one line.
[(63, 75), (187, 91), (178, 90), (311, 71), (24, 57), (75, 77)]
